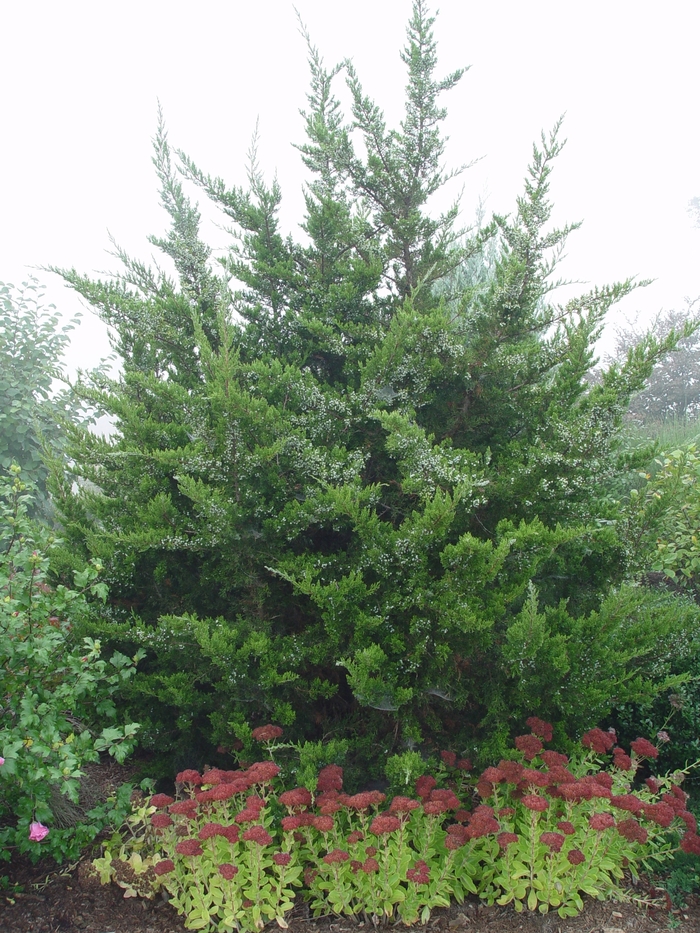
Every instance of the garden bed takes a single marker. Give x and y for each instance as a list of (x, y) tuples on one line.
[(72, 900)]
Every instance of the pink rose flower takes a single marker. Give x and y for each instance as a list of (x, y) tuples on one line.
[(37, 832)]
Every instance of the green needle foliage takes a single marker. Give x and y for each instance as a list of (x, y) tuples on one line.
[(344, 490)]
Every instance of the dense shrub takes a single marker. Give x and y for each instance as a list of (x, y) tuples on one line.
[(342, 496), (56, 695)]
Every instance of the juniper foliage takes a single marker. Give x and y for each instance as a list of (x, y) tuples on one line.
[(342, 494)]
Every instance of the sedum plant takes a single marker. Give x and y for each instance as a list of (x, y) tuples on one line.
[(539, 830)]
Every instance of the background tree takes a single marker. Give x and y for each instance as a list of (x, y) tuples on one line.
[(35, 399), (339, 499), (672, 391)]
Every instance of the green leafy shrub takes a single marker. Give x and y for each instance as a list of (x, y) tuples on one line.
[(53, 692), (538, 830), (668, 509), (337, 495)]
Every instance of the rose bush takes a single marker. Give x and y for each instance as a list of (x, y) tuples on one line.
[(56, 706)]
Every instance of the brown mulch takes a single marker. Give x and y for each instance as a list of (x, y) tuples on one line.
[(72, 900)]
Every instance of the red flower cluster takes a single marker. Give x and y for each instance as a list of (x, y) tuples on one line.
[(292, 823), (493, 775), (424, 785), (689, 820), (435, 807), (214, 776), (621, 759), (231, 833), (601, 821), (164, 867), (449, 758), (337, 855), (370, 866), (598, 741), (482, 823), (189, 847), (659, 813), (257, 834), (262, 772), (226, 791), (355, 836), (511, 770), (534, 802), (282, 858), (323, 823), (299, 797), (189, 776), (465, 764), (644, 749), (330, 802), (529, 745), (554, 841), (676, 798), (447, 797), (553, 759), (627, 802), (531, 777), (576, 857), (420, 874), (248, 815), (161, 820), (630, 829), (507, 839), (653, 785), (566, 827), (228, 871), (382, 825), (558, 774), (690, 843), (330, 778), (365, 800), (209, 830), (267, 733), (540, 728), (184, 807), (403, 805), (584, 789), (455, 841), (160, 800)]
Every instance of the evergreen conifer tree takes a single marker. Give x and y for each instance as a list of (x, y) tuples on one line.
[(340, 496)]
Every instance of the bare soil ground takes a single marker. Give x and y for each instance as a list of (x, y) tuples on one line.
[(72, 900)]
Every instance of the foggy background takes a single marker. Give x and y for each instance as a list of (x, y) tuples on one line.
[(80, 82)]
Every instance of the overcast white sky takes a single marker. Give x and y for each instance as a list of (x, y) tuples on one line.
[(79, 84)]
